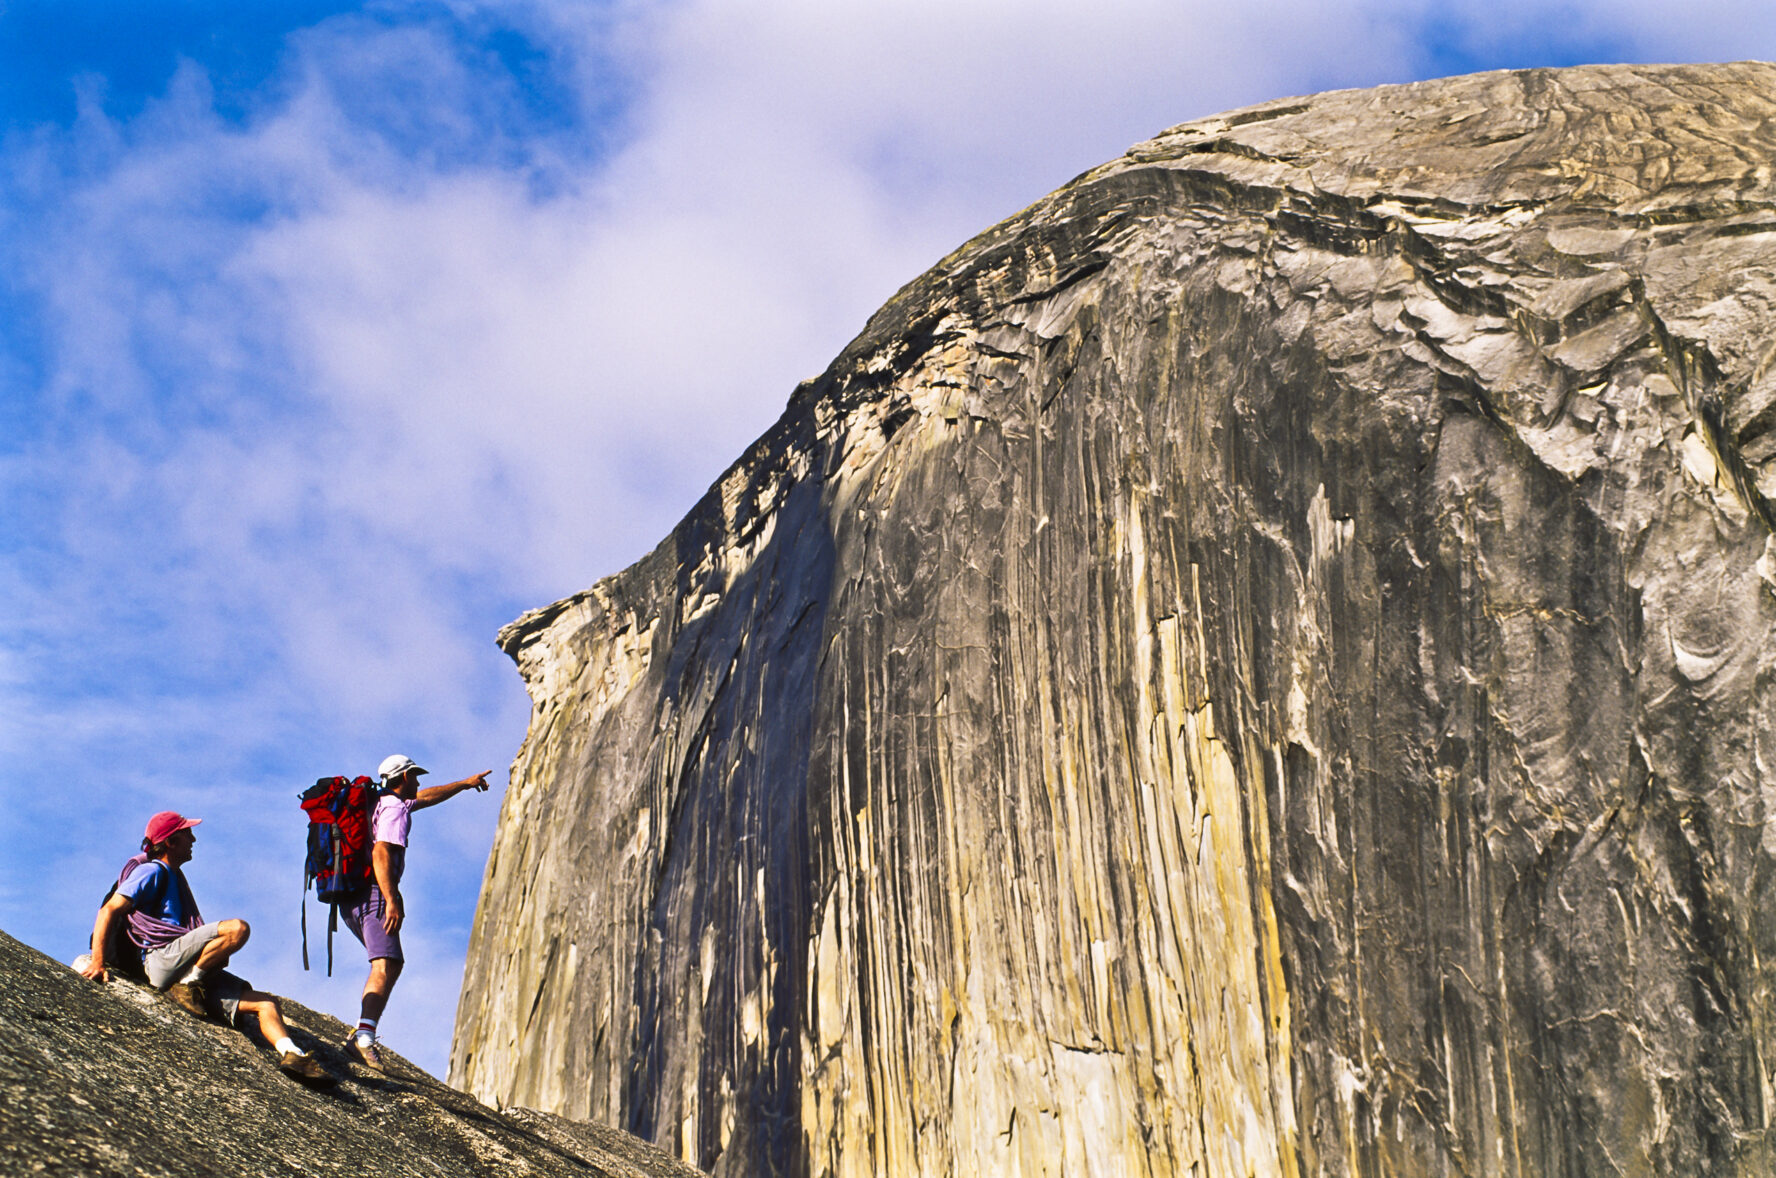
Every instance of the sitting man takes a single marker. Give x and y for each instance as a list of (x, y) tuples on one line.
[(181, 955)]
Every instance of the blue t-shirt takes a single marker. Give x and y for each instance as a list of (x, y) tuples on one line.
[(151, 890)]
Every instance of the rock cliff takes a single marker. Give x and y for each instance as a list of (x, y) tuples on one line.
[(115, 1080), (1259, 664)]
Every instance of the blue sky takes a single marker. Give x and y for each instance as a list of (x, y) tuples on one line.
[(334, 336)]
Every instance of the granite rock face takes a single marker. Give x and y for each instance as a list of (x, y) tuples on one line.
[(1260, 664), (103, 1080)]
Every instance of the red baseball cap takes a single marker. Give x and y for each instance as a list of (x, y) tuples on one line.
[(162, 826)]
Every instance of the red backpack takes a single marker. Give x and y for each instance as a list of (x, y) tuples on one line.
[(338, 849)]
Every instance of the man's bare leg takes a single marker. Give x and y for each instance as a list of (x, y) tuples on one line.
[(271, 1019), (230, 936), (186, 991), (383, 973), (291, 1058)]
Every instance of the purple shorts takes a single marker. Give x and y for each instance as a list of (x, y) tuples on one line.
[(364, 919)]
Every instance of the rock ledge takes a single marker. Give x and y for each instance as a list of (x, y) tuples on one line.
[(116, 1080)]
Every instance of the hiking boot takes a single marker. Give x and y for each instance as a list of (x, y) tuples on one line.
[(306, 1068), (365, 1050), (191, 998)]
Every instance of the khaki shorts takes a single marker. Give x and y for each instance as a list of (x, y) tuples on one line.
[(168, 963)]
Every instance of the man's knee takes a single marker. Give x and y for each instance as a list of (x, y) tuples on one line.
[(252, 1001), (234, 931)]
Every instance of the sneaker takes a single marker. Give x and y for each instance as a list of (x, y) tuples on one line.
[(306, 1068), (365, 1050), (191, 998)]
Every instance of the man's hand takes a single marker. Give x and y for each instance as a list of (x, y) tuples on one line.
[(479, 781), (95, 969), (393, 913)]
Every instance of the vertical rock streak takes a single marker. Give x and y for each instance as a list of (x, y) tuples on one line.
[(1257, 665)]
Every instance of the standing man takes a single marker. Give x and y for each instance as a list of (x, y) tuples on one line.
[(376, 919), (182, 956)]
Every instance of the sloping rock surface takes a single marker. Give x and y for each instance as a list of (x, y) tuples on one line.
[(116, 1080), (1261, 663)]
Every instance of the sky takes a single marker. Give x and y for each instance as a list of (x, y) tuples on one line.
[(335, 336)]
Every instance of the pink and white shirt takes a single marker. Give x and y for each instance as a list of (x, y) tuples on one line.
[(391, 821)]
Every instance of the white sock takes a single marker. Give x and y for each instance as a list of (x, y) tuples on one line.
[(366, 1031), (194, 974), (287, 1044)]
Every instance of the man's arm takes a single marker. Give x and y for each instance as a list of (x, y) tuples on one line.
[(114, 909), (393, 911), (431, 795)]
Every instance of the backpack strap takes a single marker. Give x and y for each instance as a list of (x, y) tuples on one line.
[(332, 923)]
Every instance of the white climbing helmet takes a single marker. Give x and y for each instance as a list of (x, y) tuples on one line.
[(393, 767)]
